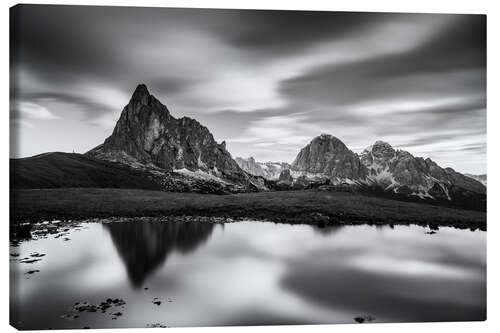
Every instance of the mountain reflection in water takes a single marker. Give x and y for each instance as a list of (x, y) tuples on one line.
[(277, 273), (144, 246)]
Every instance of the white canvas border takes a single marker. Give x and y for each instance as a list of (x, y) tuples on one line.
[(429, 6)]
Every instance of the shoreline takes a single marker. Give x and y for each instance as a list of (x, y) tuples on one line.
[(305, 207), (21, 231)]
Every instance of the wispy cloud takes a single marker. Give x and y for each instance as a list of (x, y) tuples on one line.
[(265, 81), (30, 111), (276, 134)]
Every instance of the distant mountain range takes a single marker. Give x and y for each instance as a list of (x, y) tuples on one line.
[(150, 146), (328, 158), (268, 170)]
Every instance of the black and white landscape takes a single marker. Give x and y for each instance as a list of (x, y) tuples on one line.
[(194, 167)]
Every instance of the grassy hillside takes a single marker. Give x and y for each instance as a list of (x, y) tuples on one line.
[(55, 170), (309, 206)]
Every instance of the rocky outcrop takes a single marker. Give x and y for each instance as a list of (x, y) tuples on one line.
[(327, 156), (285, 176), (268, 170), (148, 136)]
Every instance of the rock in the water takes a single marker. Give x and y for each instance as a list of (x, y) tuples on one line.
[(363, 319)]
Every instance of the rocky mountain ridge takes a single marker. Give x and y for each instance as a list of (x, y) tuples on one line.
[(269, 170), (401, 171), (483, 179), (184, 156), (326, 159), (147, 136)]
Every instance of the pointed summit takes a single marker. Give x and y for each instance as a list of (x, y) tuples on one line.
[(141, 94), (146, 134), (141, 90)]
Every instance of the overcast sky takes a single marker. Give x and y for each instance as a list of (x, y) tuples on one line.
[(266, 82)]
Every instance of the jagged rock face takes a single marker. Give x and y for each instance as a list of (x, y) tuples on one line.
[(400, 170), (268, 170), (378, 157), (327, 156), (147, 134), (272, 170), (249, 165), (460, 180), (285, 176), (410, 171)]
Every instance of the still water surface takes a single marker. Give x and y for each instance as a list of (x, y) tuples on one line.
[(247, 273)]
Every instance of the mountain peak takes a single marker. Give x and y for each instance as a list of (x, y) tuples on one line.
[(141, 89), (381, 143), (147, 135), (325, 136), (329, 156), (379, 149), (141, 93)]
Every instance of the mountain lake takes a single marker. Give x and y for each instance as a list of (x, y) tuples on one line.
[(162, 274)]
